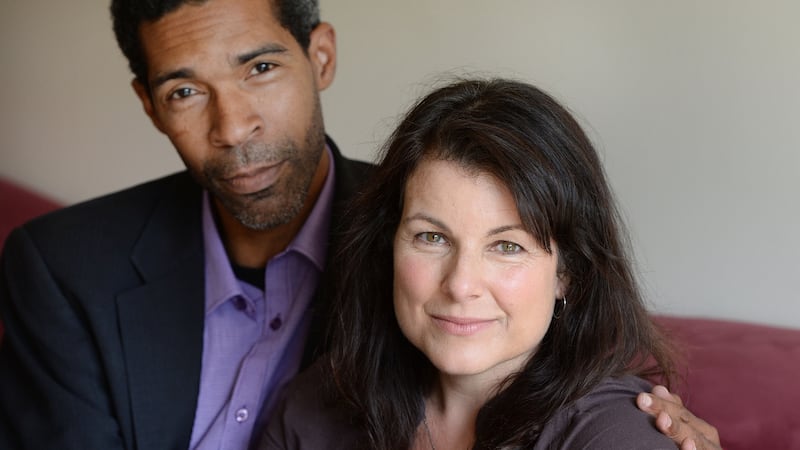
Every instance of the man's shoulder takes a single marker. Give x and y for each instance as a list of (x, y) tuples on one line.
[(352, 171), (351, 174), (146, 192), (113, 223), (124, 207), (356, 164)]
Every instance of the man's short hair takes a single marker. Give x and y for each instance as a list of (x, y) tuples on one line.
[(299, 17)]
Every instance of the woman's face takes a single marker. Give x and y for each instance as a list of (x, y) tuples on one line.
[(473, 290)]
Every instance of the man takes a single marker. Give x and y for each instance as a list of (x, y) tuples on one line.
[(169, 315)]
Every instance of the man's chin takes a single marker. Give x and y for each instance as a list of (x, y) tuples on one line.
[(262, 210), (262, 219)]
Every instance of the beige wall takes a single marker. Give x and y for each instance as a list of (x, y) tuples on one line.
[(691, 103)]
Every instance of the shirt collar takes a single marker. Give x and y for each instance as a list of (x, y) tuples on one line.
[(310, 241)]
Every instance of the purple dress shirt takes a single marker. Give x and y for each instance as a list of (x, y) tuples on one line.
[(253, 340)]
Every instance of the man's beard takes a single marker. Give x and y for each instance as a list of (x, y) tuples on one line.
[(282, 201)]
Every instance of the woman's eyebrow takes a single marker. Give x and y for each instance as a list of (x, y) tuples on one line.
[(426, 218)]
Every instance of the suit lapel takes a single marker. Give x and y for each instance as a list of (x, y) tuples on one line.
[(161, 321)]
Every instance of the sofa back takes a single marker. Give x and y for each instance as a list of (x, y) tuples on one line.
[(743, 378)]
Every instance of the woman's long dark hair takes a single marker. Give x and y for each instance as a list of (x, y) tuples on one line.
[(524, 138)]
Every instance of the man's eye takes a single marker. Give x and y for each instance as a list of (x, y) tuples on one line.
[(181, 93), (262, 67), (508, 247), (431, 237)]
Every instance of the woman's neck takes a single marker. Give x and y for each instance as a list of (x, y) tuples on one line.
[(451, 410)]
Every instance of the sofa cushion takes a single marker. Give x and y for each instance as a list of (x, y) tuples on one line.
[(18, 206), (741, 378)]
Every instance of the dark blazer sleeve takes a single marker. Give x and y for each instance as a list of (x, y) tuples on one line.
[(51, 393), (103, 310)]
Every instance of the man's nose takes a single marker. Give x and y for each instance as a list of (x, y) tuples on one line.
[(235, 118)]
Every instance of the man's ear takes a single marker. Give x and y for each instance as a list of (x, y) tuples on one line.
[(147, 102), (322, 53)]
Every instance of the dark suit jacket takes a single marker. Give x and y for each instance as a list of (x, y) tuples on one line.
[(103, 304)]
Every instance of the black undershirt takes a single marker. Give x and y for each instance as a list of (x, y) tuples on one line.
[(249, 275)]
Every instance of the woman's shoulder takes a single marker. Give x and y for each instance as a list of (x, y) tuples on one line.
[(616, 391), (607, 418), (309, 417)]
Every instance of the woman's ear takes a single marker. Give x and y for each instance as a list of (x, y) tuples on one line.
[(562, 277), (322, 53), (562, 285)]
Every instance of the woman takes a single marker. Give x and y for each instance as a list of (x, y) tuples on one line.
[(486, 296)]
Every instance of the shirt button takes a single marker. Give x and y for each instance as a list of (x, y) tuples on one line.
[(241, 415), (276, 323)]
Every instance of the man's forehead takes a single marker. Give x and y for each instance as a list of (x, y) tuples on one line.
[(213, 20), (229, 29)]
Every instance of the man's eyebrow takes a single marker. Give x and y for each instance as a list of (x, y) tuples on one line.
[(241, 59), (175, 74), (265, 50)]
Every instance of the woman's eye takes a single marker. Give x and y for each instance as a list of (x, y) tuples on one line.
[(181, 93), (508, 247), (262, 67), (431, 237)]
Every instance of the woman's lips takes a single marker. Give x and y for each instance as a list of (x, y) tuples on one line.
[(462, 326), (254, 180)]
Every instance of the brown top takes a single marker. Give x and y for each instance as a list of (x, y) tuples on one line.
[(606, 418)]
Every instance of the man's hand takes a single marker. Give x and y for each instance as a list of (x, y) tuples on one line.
[(677, 422)]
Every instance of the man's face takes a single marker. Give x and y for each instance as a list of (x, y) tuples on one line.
[(239, 99)]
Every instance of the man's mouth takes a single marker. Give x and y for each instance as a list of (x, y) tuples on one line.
[(254, 179)]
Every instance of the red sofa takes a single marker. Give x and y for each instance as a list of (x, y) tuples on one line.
[(737, 376), (740, 377)]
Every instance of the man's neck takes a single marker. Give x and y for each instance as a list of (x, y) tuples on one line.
[(247, 247)]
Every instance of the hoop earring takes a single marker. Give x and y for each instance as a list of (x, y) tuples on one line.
[(557, 312)]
